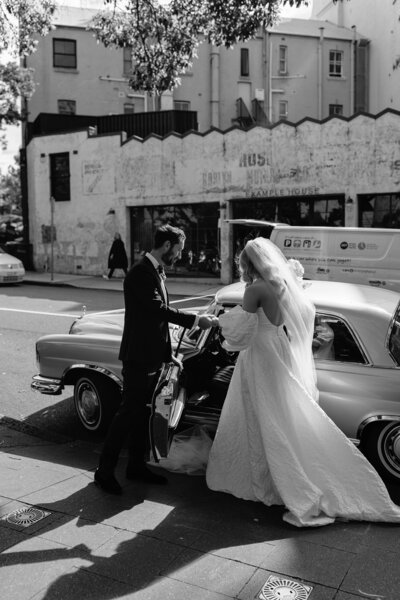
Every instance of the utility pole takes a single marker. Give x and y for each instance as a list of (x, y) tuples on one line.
[(51, 238)]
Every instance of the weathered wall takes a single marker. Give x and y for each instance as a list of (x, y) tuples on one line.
[(352, 157)]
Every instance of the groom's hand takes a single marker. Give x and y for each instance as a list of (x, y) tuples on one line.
[(207, 321)]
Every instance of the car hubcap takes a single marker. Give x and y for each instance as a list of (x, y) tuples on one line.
[(389, 448), (89, 405)]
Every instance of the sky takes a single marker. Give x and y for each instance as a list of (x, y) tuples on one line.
[(14, 132)]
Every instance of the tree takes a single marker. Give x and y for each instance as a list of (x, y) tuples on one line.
[(164, 38), (10, 188), (21, 21)]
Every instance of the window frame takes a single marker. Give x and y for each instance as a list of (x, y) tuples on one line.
[(60, 179), (74, 54), (126, 61), (68, 101), (331, 317), (182, 103), (283, 116), (244, 62), (283, 70), (336, 64)]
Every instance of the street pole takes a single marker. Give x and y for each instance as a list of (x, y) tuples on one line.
[(51, 238)]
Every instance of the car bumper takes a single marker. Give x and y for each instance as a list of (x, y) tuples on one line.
[(46, 385), (11, 277)]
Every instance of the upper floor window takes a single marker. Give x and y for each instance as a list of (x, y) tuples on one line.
[(283, 66), (335, 63), (127, 60), (244, 62), (335, 109), (60, 176), (66, 107), (129, 108), (64, 53), (283, 109), (181, 105)]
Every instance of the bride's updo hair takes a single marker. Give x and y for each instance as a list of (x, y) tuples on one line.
[(261, 258), (248, 273)]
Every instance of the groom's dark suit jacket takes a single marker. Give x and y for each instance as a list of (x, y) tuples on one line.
[(145, 339)]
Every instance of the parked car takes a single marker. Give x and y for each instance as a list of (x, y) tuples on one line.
[(357, 355), (11, 268)]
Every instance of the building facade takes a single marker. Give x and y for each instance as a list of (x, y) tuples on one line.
[(322, 173), (378, 20), (300, 68)]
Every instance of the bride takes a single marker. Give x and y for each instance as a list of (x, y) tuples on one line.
[(274, 444)]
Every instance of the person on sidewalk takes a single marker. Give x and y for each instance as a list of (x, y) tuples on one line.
[(117, 258), (145, 345)]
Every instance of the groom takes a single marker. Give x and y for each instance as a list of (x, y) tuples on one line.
[(145, 345)]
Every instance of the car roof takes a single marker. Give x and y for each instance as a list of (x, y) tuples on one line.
[(332, 295), (368, 310)]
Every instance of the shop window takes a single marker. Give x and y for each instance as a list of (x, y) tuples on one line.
[(283, 62), (60, 177), (181, 105), (200, 257), (66, 107), (64, 53), (244, 62), (335, 63), (129, 108), (127, 60), (379, 210), (336, 109), (283, 110)]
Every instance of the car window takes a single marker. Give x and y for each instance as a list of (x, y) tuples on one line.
[(333, 340), (394, 338)]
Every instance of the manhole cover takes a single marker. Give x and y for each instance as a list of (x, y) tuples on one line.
[(26, 516), (279, 588)]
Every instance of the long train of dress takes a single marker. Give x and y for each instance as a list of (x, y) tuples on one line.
[(275, 444)]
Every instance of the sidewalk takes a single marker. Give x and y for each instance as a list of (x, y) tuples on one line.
[(61, 538), (176, 287)]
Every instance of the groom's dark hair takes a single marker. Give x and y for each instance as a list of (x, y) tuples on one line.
[(168, 233)]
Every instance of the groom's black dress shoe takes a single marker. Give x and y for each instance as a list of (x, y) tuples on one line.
[(108, 483), (144, 474)]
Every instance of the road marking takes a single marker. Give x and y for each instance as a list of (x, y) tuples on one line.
[(39, 312)]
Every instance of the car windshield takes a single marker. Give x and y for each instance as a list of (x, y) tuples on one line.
[(188, 338), (394, 338)]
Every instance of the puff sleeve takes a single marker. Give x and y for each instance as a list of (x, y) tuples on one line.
[(238, 328)]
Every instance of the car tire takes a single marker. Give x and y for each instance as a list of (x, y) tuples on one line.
[(380, 443), (96, 400)]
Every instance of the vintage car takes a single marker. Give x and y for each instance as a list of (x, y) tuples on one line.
[(11, 268), (357, 356)]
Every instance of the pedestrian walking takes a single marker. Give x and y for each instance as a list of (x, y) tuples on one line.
[(117, 258)]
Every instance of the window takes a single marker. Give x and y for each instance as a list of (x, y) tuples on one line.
[(60, 177), (379, 210), (66, 107), (394, 339), (64, 53), (127, 67), (283, 60), (335, 63), (335, 109), (283, 109), (129, 108), (181, 105), (244, 62), (333, 340)]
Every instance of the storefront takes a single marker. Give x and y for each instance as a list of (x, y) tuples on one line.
[(339, 172)]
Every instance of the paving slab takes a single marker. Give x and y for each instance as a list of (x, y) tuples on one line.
[(211, 572), (375, 574), (308, 561)]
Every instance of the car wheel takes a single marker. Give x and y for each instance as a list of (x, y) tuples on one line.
[(381, 445), (96, 401)]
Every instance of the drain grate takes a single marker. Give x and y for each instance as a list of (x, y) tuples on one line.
[(26, 516), (280, 588)]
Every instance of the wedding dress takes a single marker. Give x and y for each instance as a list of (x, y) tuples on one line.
[(274, 444)]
